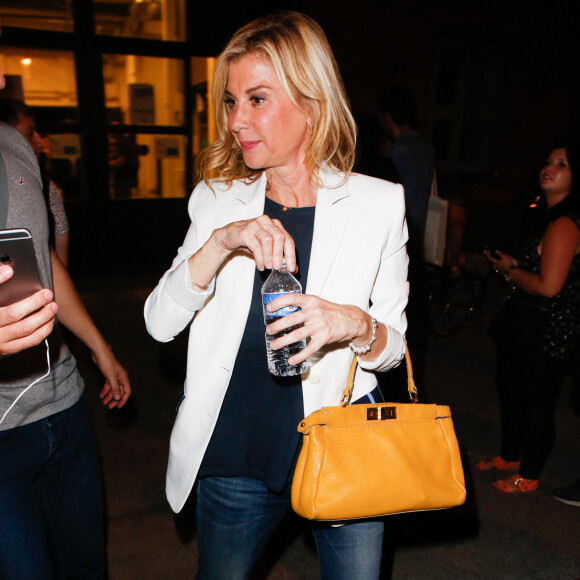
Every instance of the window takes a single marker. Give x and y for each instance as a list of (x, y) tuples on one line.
[(146, 166), (45, 81), (42, 78), (143, 90), (113, 90), (152, 19), (37, 14), (204, 131), (157, 113)]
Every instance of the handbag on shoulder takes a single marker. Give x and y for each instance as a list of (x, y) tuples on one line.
[(362, 461)]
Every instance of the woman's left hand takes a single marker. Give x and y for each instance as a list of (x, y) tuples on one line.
[(323, 322)]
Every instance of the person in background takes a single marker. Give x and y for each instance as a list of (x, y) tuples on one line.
[(569, 494), (17, 114), (124, 165), (537, 330), (51, 505), (283, 190), (371, 143), (414, 159)]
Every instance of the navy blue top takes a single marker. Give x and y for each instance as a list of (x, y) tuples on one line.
[(255, 435)]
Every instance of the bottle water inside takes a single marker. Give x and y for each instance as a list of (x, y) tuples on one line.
[(281, 282)]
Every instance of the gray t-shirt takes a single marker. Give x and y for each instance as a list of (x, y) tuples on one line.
[(63, 387)]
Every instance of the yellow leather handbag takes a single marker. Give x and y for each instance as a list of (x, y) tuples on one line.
[(362, 461)]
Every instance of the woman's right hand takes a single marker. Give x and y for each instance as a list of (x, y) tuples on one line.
[(263, 237)]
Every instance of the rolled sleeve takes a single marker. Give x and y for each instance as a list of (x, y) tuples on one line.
[(180, 288), (391, 291), (391, 355)]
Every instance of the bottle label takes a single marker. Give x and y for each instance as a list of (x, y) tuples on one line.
[(267, 298)]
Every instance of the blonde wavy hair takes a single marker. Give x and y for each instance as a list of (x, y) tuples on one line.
[(298, 50)]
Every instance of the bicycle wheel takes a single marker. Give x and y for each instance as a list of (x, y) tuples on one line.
[(445, 318), (449, 303)]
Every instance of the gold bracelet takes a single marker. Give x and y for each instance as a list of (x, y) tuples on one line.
[(194, 283)]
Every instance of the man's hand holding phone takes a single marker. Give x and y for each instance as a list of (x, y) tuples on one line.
[(25, 323)]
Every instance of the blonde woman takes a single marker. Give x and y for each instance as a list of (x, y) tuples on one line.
[(277, 185)]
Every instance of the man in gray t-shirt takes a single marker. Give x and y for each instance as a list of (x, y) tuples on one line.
[(51, 510)]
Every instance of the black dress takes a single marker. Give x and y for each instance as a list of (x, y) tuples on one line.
[(534, 335)]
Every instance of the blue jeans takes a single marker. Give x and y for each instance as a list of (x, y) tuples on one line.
[(236, 517), (51, 508)]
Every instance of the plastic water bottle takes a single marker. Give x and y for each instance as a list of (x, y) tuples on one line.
[(281, 282)]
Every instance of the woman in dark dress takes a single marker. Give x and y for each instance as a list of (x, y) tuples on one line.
[(538, 326)]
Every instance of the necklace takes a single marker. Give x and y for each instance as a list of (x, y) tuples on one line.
[(273, 197), (285, 208)]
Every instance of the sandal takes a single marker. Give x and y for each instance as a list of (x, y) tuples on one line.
[(496, 462), (516, 484)]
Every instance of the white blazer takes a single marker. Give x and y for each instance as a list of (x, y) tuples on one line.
[(358, 257)]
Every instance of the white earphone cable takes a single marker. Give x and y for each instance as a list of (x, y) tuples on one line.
[(31, 384)]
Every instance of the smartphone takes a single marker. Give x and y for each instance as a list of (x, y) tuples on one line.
[(492, 253), (17, 251)]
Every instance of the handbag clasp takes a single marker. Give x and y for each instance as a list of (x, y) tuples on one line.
[(381, 413)]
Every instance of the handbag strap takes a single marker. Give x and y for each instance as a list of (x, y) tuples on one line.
[(411, 387), (347, 393)]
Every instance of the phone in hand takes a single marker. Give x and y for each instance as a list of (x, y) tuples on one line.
[(17, 251), (493, 253)]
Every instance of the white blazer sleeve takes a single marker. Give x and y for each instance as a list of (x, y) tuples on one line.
[(173, 303), (391, 289)]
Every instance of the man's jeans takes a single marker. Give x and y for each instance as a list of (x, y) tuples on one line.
[(236, 517), (51, 509)]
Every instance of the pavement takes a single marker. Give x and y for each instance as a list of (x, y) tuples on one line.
[(492, 536)]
